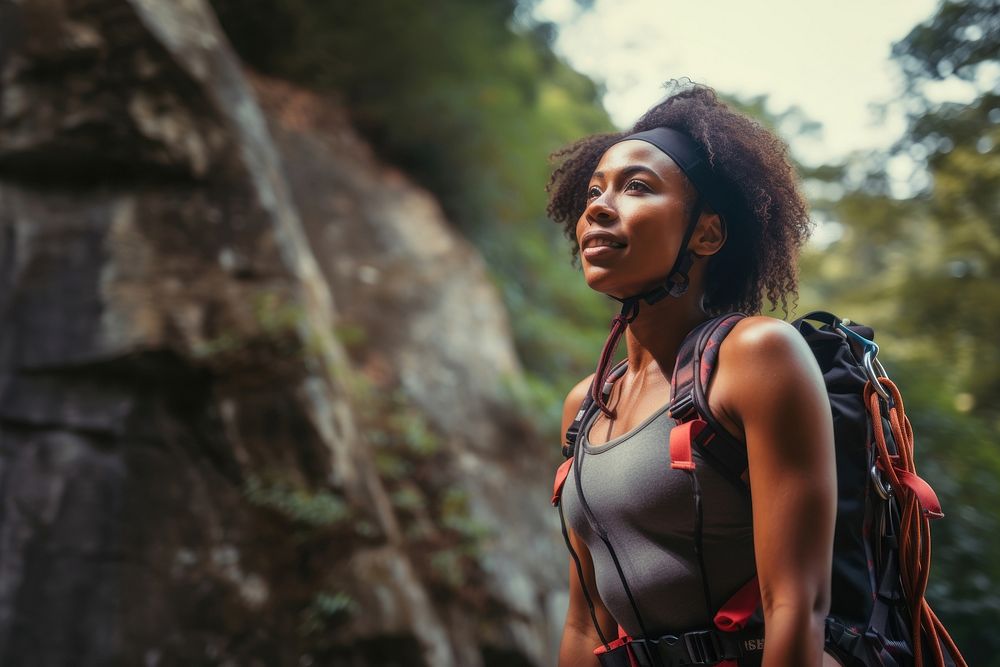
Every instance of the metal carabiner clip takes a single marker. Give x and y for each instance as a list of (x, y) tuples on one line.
[(883, 489), (875, 370), (873, 367)]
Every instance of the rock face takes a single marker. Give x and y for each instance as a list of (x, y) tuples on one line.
[(435, 331), (251, 391)]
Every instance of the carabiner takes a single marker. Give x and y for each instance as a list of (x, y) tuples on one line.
[(871, 363), (883, 489), (873, 367)]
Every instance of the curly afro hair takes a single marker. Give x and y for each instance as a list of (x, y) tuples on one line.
[(767, 220)]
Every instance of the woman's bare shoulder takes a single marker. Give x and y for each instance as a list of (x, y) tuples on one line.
[(580, 389), (761, 345), (764, 363), (761, 335)]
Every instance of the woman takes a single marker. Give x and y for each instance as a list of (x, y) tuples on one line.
[(680, 224)]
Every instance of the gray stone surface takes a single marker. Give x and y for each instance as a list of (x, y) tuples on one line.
[(434, 329), (190, 463)]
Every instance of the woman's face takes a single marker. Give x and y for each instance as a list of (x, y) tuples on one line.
[(634, 220)]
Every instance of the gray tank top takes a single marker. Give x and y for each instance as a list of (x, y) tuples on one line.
[(648, 511)]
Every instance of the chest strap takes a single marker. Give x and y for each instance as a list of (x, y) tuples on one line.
[(699, 647)]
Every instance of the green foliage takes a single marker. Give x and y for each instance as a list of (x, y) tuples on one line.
[(350, 335), (276, 315), (217, 346), (954, 42), (412, 428), (455, 515), (326, 611), (313, 509), (403, 439), (470, 100), (924, 272), (442, 536), (274, 327), (447, 89)]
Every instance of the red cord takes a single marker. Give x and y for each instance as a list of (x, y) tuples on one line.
[(630, 310), (914, 529), (618, 326)]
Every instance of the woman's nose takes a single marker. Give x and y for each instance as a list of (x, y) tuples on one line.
[(600, 211)]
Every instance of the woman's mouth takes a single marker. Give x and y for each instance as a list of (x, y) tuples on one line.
[(602, 249)]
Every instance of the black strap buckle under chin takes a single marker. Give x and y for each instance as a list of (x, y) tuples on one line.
[(679, 284)]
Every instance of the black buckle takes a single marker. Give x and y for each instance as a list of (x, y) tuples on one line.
[(703, 647), (616, 657), (652, 652), (681, 408)]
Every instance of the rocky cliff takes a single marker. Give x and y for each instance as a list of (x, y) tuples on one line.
[(252, 385)]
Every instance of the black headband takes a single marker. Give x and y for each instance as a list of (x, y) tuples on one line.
[(689, 157)]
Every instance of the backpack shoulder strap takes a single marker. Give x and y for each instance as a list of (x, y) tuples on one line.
[(696, 426)]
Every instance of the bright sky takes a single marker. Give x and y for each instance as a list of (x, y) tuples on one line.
[(829, 58)]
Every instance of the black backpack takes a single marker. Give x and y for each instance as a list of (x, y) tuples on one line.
[(881, 539)]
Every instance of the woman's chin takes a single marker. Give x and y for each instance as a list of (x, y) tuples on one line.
[(597, 279), (602, 282)]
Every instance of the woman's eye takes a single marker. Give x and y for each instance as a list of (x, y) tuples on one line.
[(593, 193), (637, 185)]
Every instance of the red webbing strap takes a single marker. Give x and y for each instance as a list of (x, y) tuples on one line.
[(618, 643), (561, 474), (623, 640), (681, 436), (736, 613), (930, 506), (918, 504)]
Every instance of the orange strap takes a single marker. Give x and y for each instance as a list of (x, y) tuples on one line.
[(681, 436), (561, 473)]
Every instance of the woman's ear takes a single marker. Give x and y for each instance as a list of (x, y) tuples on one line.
[(710, 234)]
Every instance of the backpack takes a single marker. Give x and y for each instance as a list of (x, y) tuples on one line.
[(878, 615)]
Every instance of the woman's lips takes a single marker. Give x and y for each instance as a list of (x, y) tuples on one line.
[(599, 253), (600, 247)]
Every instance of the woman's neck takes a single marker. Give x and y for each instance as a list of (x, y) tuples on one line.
[(655, 336)]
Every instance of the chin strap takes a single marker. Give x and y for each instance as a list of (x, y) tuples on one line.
[(675, 285), (630, 310)]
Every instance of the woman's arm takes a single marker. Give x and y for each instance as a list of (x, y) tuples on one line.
[(579, 635), (773, 388)]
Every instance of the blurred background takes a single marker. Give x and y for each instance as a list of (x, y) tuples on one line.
[(286, 333)]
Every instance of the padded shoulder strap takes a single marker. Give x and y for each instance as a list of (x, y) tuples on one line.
[(696, 363)]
